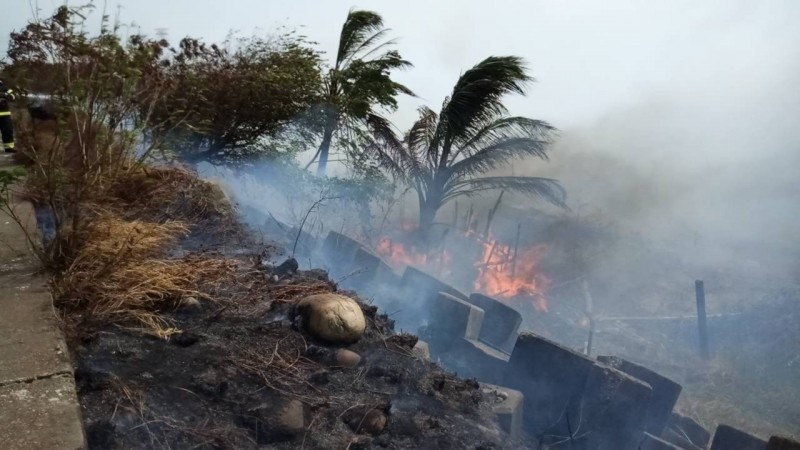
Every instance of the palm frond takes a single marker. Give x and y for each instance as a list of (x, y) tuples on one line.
[(358, 28), (502, 129), (422, 135), (476, 97), (545, 188), (496, 155), (368, 45), (387, 62), (387, 148)]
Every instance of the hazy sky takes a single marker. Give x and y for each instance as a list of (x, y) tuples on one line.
[(677, 111), (588, 56)]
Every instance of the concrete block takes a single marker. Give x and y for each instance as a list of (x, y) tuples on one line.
[(453, 319), (338, 251), (612, 410), (686, 433), (508, 407), (306, 242), (552, 379), (473, 359), (782, 443), (500, 324), (411, 304), (427, 287), (43, 414), (728, 438), (650, 442), (665, 392), (365, 267)]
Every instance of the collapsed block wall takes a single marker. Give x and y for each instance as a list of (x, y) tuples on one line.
[(565, 395)]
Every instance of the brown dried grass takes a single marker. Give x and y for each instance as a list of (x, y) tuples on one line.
[(120, 274), (172, 192), (290, 293)]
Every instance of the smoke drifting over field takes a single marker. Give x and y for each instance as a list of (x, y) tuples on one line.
[(717, 164)]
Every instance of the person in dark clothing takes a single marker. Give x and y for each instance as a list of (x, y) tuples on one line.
[(6, 126)]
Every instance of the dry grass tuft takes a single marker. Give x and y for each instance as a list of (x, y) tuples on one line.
[(290, 293), (120, 277), (173, 193)]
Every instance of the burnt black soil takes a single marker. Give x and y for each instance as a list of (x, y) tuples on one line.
[(241, 374)]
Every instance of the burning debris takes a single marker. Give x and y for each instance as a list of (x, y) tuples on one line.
[(513, 274), (502, 271)]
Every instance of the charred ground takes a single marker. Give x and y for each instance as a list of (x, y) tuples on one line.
[(235, 371)]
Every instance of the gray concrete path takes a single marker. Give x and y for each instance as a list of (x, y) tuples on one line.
[(38, 404)]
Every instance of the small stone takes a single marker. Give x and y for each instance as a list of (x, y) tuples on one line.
[(372, 422), (292, 416), (332, 317), (347, 358), (190, 303)]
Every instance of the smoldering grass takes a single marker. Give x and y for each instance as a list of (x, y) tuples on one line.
[(289, 293)]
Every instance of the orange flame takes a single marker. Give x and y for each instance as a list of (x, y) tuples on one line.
[(397, 255), (499, 276)]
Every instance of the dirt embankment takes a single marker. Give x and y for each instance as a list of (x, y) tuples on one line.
[(230, 368)]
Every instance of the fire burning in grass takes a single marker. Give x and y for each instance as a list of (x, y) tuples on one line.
[(501, 271), (507, 273), (397, 254)]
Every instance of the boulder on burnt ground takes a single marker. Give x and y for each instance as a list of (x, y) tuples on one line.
[(686, 433), (782, 443), (665, 392), (727, 437), (332, 317), (500, 323)]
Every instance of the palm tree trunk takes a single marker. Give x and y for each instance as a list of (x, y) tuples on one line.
[(427, 215), (324, 147)]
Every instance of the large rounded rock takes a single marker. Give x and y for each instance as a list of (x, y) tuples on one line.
[(332, 317)]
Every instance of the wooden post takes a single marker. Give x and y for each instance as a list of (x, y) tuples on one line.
[(702, 325), (516, 248), (492, 213), (491, 252)]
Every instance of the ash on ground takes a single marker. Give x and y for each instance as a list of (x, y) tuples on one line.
[(240, 374)]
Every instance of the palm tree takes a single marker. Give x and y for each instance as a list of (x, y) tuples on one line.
[(444, 155), (359, 80)]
